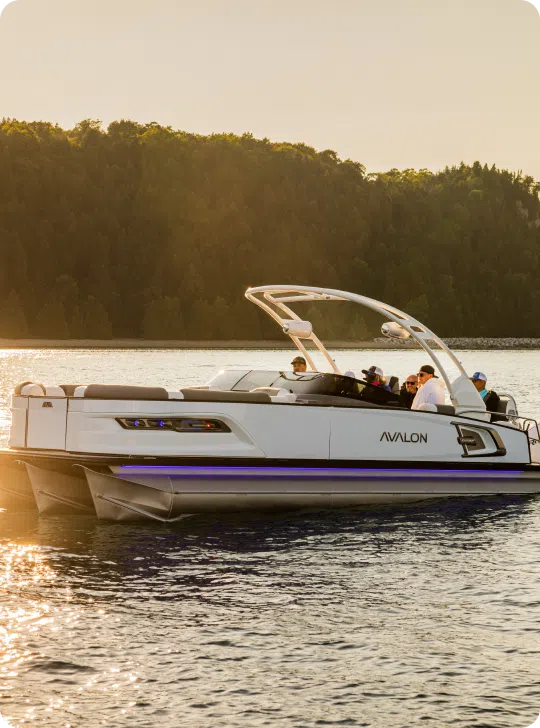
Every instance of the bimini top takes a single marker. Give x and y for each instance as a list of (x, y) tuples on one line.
[(276, 300)]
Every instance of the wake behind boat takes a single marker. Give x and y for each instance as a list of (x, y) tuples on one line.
[(256, 439)]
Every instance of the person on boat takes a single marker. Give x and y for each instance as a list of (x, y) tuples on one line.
[(430, 388), (299, 365), (375, 377), (490, 397), (408, 391)]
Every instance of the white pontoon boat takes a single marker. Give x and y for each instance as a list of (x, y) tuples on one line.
[(264, 439)]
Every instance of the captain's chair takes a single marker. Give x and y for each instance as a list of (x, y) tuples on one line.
[(393, 383), (507, 408)]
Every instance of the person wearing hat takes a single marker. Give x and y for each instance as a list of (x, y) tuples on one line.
[(490, 397), (430, 388), (299, 365), (375, 377)]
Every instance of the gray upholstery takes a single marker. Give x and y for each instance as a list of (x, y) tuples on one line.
[(393, 383), (122, 391), (325, 400), (445, 409), (215, 395)]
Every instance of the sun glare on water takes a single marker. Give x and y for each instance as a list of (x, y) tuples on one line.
[(21, 567), (40, 616)]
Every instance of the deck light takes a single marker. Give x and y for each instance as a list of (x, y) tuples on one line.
[(394, 331), (299, 329), (178, 424)]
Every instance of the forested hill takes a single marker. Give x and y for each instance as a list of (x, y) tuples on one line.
[(143, 231)]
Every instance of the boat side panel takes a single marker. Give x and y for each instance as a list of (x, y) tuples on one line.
[(402, 435), (47, 423), (97, 430), (19, 415), (280, 431)]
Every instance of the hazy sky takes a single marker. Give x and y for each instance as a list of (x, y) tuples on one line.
[(389, 83)]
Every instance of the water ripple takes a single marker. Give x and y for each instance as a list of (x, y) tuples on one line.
[(369, 617)]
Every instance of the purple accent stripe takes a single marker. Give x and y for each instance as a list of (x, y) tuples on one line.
[(270, 469)]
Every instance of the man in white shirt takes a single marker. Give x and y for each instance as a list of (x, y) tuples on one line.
[(430, 388)]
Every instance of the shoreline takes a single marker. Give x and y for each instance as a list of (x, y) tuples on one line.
[(382, 344)]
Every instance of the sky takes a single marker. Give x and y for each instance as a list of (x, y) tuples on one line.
[(388, 83)]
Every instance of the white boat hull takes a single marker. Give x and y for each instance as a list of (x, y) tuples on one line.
[(131, 453)]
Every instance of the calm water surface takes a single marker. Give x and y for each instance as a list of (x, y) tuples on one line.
[(427, 614)]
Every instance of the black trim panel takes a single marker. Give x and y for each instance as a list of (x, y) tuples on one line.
[(470, 452), (109, 459)]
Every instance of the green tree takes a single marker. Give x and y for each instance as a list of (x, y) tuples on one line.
[(163, 319), (95, 320), (140, 224), (13, 323), (50, 322)]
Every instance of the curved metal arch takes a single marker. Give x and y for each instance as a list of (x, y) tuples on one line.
[(280, 296)]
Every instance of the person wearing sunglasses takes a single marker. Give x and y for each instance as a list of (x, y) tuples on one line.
[(430, 388), (408, 391), (375, 377)]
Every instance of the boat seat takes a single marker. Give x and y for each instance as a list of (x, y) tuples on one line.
[(214, 395), (124, 391), (277, 394), (443, 409), (393, 383), (29, 389), (446, 409), (506, 407), (329, 400), (69, 389), (52, 390)]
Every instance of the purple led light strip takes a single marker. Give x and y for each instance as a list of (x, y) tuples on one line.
[(268, 468)]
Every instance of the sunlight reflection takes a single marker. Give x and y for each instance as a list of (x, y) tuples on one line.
[(28, 607), (20, 567)]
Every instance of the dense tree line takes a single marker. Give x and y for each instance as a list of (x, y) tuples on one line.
[(144, 231)]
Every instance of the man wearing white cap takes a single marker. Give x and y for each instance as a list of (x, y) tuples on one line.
[(375, 377), (490, 397)]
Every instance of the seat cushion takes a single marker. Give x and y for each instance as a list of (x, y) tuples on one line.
[(124, 391), (69, 389), (216, 395)]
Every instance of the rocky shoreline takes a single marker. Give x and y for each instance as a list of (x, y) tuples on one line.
[(284, 343), (476, 343)]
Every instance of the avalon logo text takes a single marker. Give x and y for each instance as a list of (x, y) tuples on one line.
[(403, 437)]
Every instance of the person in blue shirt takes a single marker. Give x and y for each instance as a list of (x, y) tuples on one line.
[(490, 397)]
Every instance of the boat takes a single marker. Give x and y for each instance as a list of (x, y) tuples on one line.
[(266, 440)]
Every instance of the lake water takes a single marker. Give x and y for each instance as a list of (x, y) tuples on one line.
[(383, 617)]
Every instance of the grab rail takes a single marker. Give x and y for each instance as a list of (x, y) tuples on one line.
[(520, 422)]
